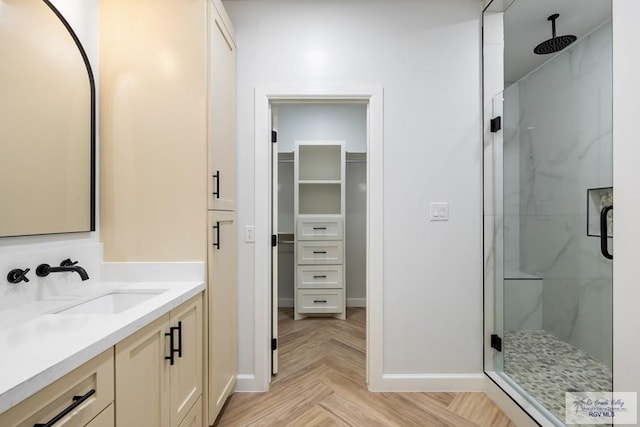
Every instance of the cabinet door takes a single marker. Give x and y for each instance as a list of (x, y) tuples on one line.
[(222, 309), (194, 417), (222, 116), (106, 418), (186, 373), (142, 377)]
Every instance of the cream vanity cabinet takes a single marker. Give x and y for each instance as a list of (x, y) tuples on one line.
[(84, 397), (222, 309), (158, 370), (319, 200)]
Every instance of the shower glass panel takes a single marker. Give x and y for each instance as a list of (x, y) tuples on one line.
[(552, 182)]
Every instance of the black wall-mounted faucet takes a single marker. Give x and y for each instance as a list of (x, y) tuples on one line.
[(67, 265)]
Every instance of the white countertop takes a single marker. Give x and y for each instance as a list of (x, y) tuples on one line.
[(38, 346)]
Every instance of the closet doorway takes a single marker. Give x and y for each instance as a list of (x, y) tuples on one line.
[(266, 157), (319, 202)]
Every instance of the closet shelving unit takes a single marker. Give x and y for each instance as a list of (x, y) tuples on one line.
[(319, 203)]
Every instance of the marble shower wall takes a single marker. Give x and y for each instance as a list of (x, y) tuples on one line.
[(564, 130)]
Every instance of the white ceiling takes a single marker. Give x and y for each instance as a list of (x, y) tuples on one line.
[(526, 25)]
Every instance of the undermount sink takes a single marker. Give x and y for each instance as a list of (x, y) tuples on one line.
[(112, 303)]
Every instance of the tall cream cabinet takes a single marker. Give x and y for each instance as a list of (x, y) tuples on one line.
[(222, 235), (167, 153)]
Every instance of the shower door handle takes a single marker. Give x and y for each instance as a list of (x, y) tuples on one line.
[(603, 232)]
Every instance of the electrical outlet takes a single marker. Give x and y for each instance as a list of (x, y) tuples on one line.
[(249, 233), (439, 211)]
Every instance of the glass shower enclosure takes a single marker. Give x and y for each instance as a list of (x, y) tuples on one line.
[(548, 205)]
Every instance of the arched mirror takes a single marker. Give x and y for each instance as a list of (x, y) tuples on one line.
[(47, 123)]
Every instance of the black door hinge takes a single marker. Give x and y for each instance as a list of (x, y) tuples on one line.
[(496, 124), (274, 344), (274, 240), (496, 342), (274, 136)]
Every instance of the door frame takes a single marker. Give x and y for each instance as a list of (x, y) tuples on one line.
[(372, 96)]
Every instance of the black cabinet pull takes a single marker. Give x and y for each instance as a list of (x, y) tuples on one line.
[(319, 252), (316, 301), (319, 228), (77, 401), (172, 347), (603, 232), (179, 339), (171, 344), (216, 243), (216, 177), (319, 277)]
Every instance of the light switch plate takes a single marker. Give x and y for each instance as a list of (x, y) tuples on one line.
[(438, 211), (249, 234)]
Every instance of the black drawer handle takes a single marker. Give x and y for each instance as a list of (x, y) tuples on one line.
[(77, 401), (216, 176), (319, 277), (319, 228), (216, 227), (319, 252), (316, 301)]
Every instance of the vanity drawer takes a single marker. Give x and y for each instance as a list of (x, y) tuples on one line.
[(320, 300), (93, 382), (319, 252), (321, 276), (320, 229)]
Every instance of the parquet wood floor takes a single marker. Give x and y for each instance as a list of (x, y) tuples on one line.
[(322, 383)]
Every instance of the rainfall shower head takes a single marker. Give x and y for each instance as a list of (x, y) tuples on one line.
[(554, 44)]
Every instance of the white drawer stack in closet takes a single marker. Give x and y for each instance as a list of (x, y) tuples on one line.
[(319, 205), (319, 275)]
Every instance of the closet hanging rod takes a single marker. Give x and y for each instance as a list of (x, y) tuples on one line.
[(347, 161), (286, 242)]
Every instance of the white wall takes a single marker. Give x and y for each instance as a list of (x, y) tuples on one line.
[(426, 56), (626, 176)]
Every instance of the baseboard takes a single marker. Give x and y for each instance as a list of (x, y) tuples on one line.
[(430, 382), (246, 383), (356, 302), (285, 302), (351, 302)]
